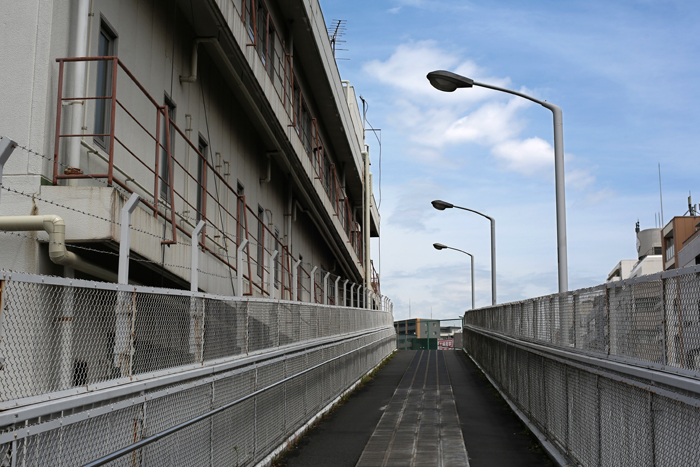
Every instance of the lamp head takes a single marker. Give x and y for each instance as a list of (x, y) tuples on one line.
[(439, 246), (447, 81), (441, 205)]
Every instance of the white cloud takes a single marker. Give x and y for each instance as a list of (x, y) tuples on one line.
[(409, 65), (489, 124), (527, 156)]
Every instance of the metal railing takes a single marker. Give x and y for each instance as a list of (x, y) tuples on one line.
[(90, 369), (608, 375), (64, 337), (180, 180)]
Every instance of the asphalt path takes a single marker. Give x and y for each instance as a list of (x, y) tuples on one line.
[(493, 434)]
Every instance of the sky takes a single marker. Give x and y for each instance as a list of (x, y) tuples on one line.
[(625, 74)]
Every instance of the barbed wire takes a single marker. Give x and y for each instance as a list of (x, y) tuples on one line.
[(120, 189), (186, 216), (106, 252), (252, 242), (126, 194)]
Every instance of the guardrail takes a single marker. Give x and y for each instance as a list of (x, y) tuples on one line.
[(91, 368), (604, 376)]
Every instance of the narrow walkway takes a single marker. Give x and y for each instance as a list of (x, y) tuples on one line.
[(420, 426), (492, 433)]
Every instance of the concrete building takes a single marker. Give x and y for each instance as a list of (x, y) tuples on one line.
[(228, 111), (675, 234), (417, 333), (689, 255), (648, 257)]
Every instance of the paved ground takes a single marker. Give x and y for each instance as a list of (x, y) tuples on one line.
[(493, 435), (420, 426)]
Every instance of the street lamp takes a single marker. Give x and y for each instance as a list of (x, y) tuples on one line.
[(448, 82), (440, 246), (442, 205)]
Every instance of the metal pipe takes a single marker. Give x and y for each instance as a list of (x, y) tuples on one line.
[(125, 237), (325, 288), (295, 280), (337, 279), (91, 15), (352, 294), (56, 228), (239, 266), (366, 219), (472, 261), (194, 272), (271, 278), (559, 181), (268, 177), (78, 82), (7, 145), (345, 292), (193, 64), (312, 284)]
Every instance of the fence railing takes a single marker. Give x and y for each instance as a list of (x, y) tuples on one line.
[(135, 144), (168, 377), (63, 336), (608, 375)]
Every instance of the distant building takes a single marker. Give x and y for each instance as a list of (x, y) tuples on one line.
[(676, 235), (649, 260), (689, 255), (417, 334), (449, 331)]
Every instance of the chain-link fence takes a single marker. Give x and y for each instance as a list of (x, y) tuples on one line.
[(607, 375), (61, 335), (89, 368)]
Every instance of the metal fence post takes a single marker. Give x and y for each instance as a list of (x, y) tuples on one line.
[(6, 148), (295, 280), (664, 323), (352, 294), (271, 279), (194, 273), (335, 297), (239, 267), (345, 292), (196, 310), (312, 285), (325, 288), (125, 238)]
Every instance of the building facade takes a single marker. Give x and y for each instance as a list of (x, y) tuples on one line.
[(674, 235), (230, 112)]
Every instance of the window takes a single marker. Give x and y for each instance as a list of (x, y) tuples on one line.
[(203, 148), (106, 47), (670, 250), (164, 163), (261, 240)]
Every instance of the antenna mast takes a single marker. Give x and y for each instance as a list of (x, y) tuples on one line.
[(337, 30), (661, 198)]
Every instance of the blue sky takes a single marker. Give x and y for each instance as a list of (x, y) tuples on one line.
[(625, 74)]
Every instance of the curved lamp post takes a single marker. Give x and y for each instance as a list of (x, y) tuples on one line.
[(442, 205), (440, 246), (448, 82)]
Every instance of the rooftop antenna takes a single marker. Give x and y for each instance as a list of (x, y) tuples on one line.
[(661, 198), (337, 30), (691, 209)]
